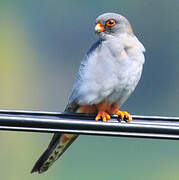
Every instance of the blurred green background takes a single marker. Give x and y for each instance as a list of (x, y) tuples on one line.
[(41, 45)]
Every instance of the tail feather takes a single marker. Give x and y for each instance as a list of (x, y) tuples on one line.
[(57, 146)]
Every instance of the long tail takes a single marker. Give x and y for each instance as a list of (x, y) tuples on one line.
[(57, 146)]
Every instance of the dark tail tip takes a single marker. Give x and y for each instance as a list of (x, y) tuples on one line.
[(36, 167), (34, 170), (39, 165)]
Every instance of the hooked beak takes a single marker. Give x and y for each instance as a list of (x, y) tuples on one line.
[(99, 28)]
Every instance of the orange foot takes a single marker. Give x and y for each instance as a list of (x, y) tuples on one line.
[(105, 116), (124, 114)]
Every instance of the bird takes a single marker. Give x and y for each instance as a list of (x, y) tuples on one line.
[(107, 76)]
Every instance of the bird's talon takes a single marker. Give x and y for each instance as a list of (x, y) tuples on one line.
[(119, 119), (102, 115), (128, 117), (123, 115), (98, 117)]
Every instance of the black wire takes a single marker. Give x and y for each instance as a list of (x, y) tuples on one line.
[(159, 127)]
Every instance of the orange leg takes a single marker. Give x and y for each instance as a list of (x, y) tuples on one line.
[(103, 111), (123, 114), (105, 116), (100, 109)]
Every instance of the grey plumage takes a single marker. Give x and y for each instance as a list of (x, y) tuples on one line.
[(109, 72)]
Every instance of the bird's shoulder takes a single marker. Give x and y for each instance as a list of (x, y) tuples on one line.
[(94, 47)]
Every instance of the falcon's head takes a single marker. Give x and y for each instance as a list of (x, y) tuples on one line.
[(112, 24)]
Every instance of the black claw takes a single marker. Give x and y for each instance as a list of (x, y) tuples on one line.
[(119, 119), (126, 119)]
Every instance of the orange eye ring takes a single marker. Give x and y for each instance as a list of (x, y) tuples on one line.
[(110, 22)]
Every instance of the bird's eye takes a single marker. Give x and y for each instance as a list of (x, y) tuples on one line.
[(110, 22)]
